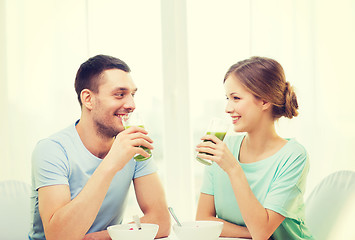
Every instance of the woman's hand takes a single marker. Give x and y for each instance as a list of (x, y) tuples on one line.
[(219, 151)]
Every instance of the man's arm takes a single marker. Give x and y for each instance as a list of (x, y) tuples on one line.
[(102, 235), (207, 211), (151, 199), (68, 219)]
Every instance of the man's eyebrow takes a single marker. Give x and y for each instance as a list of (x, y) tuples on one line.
[(124, 89)]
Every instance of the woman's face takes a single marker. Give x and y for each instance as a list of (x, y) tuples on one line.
[(244, 108)]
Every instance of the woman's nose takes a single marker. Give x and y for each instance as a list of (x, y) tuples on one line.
[(229, 108)]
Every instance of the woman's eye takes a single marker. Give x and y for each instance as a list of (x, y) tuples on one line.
[(233, 97)]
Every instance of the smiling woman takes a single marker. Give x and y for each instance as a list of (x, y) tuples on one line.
[(257, 179)]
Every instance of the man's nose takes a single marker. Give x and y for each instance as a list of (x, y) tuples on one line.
[(130, 105)]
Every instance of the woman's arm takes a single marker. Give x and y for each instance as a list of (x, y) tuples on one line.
[(206, 211), (260, 222)]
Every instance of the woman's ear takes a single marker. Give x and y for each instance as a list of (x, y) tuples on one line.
[(87, 98), (266, 105)]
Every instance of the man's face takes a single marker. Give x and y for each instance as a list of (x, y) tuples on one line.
[(114, 100)]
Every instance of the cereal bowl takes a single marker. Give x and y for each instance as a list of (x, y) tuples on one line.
[(130, 231), (198, 230)]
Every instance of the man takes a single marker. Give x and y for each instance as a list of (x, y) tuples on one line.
[(81, 175)]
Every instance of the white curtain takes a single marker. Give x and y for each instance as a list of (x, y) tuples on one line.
[(313, 40), (44, 42)]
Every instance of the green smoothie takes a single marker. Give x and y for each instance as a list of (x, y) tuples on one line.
[(221, 136), (139, 157)]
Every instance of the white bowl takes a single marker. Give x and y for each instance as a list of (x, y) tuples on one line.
[(130, 231), (198, 230)]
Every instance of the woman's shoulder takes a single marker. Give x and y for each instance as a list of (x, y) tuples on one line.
[(294, 155), (295, 148)]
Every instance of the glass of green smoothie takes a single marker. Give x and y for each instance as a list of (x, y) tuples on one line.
[(217, 127), (135, 119)]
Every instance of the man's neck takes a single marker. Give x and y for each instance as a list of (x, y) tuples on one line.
[(94, 143)]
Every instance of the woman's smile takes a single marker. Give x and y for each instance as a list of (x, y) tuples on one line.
[(235, 119)]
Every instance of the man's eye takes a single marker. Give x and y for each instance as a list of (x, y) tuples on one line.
[(119, 94)]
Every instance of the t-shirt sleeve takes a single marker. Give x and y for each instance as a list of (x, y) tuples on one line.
[(145, 167), (285, 195), (49, 164), (207, 184)]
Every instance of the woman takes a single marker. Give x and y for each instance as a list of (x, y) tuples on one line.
[(257, 180)]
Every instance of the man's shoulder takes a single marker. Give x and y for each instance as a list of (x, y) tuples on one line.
[(61, 137), (64, 134)]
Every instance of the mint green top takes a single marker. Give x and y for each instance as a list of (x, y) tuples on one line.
[(278, 182)]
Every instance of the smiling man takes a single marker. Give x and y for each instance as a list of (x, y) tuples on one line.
[(82, 174)]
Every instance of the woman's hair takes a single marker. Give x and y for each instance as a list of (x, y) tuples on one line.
[(265, 79)]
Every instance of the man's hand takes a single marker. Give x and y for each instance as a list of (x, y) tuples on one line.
[(103, 235), (127, 144)]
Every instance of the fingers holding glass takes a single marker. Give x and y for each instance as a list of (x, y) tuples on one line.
[(217, 127), (135, 119)]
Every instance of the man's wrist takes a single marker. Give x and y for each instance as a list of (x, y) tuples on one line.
[(109, 166)]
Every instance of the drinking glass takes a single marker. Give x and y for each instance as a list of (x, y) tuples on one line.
[(135, 119), (217, 127)]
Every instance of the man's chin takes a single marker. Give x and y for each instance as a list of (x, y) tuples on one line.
[(120, 129)]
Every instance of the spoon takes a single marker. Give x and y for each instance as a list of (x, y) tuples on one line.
[(174, 216), (137, 221)]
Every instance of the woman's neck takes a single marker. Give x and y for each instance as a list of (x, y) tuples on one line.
[(260, 144)]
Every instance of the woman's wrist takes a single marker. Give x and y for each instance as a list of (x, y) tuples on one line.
[(235, 170)]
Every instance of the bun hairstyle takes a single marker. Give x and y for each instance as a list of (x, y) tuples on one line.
[(265, 79)]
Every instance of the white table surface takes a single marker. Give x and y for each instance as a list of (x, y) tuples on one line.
[(221, 238), (173, 237)]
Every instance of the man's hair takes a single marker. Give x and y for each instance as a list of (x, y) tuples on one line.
[(88, 75)]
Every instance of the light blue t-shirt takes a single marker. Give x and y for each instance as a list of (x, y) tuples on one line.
[(63, 159), (278, 182)]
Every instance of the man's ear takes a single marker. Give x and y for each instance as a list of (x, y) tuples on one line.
[(87, 98)]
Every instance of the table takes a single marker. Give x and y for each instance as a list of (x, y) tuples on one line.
[(221, 238), (173, 237)]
